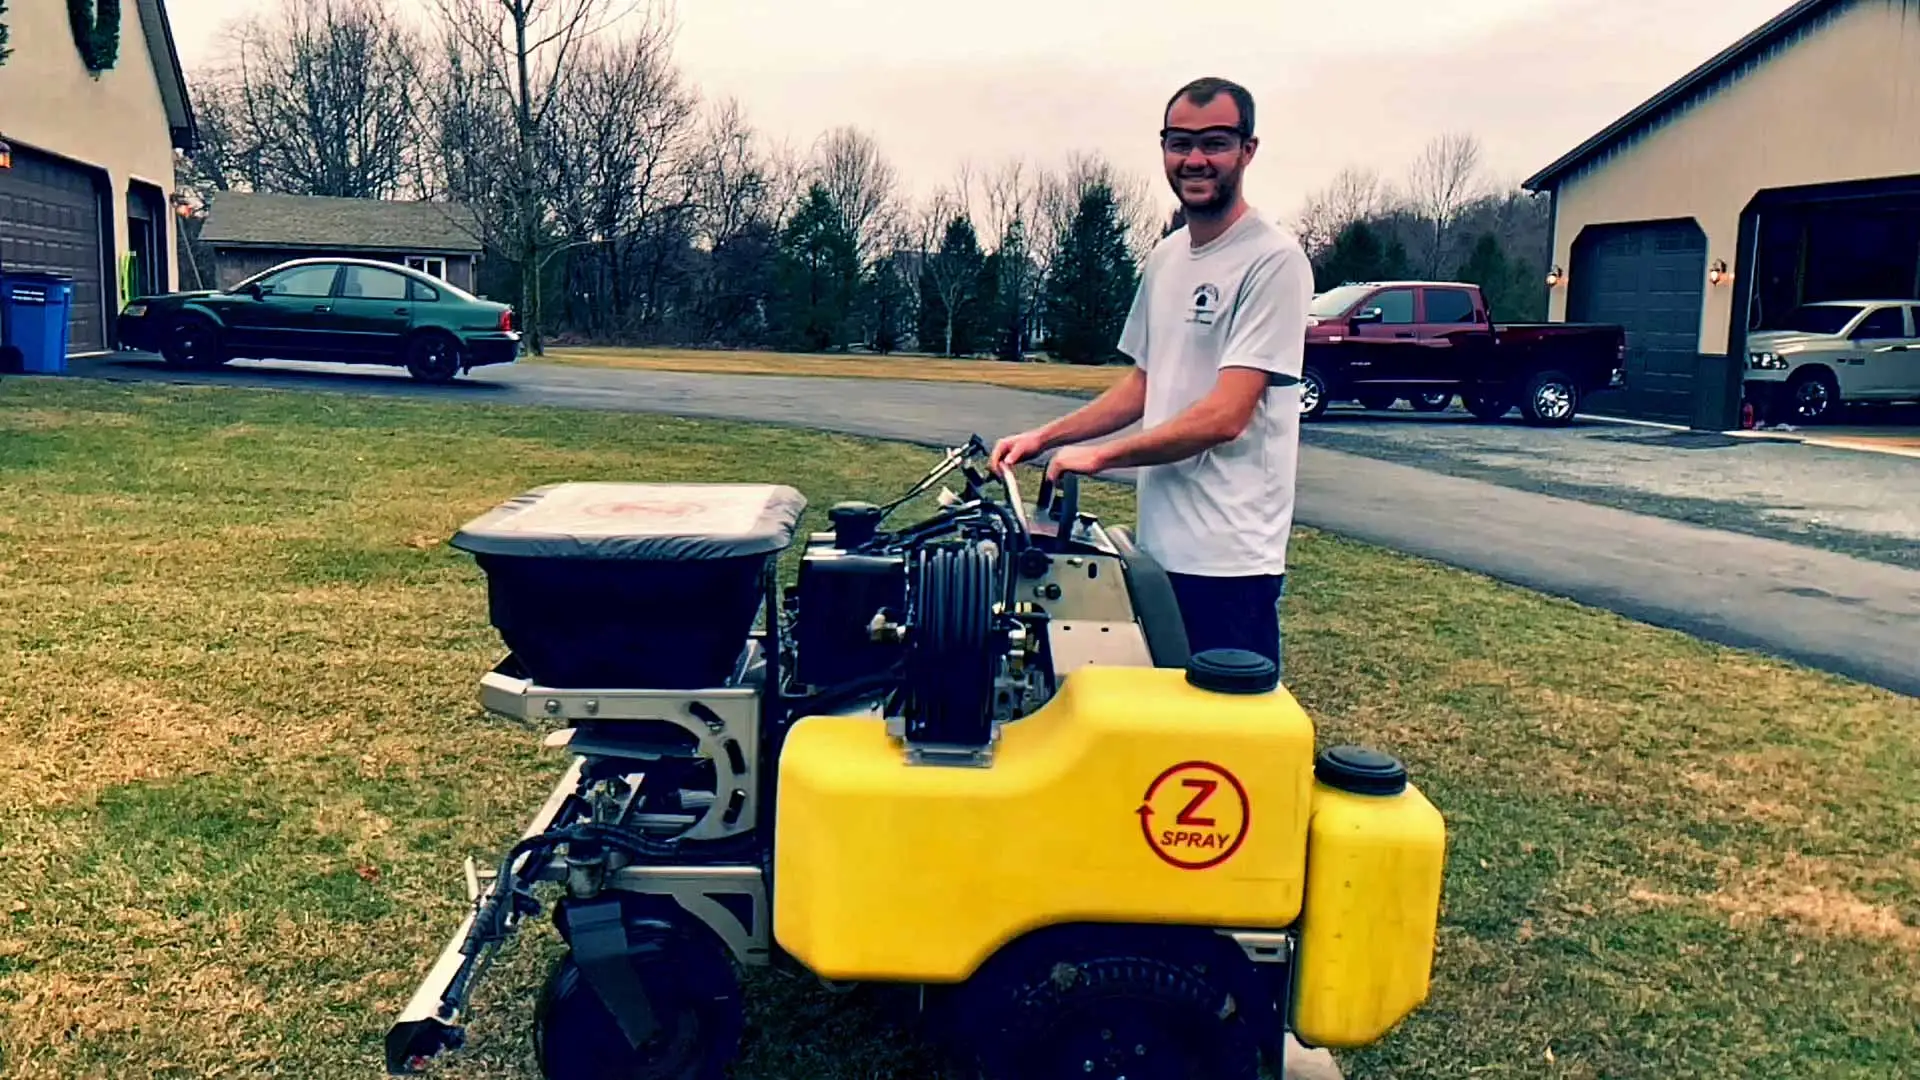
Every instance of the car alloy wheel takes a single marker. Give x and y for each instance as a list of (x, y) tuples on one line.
[(192, 344), (434, 359)]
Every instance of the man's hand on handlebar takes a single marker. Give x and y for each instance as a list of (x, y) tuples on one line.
[(1076, 459), (1015, 449)]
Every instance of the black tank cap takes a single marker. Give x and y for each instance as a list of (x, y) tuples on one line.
[(1232, 671), (1360, 770), (854, 523)]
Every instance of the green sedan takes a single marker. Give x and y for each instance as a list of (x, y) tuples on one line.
[(343, 311)]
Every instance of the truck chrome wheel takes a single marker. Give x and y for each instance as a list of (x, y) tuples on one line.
[(1313, 394), (1813, 398), (1552, 399)]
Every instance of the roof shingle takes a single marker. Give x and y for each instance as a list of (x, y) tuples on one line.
[(246, 217)]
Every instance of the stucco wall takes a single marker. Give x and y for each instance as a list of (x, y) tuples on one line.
[(1841, 104), (113, 121)]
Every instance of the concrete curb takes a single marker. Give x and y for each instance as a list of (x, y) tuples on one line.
[(1305, 1064)]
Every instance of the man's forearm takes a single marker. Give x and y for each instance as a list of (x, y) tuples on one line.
[(1176, 440), (1218, 418), (1119, 405)]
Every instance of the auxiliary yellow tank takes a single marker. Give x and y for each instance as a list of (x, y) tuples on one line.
[(1131, 796), (1376, 855)]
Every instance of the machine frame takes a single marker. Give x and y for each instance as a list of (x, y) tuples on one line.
[(660, 828)]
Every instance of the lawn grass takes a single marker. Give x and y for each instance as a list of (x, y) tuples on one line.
[(241, 760), (1049, 377)]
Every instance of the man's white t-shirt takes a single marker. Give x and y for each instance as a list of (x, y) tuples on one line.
[(1239, 301)]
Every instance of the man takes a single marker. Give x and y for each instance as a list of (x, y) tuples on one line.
[(1217, 324)]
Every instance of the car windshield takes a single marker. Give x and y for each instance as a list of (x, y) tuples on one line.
[(1819, 318), (1334, 301)]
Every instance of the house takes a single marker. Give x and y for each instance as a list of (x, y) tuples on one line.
[(90, 133), (249, 232), (1785, 170)]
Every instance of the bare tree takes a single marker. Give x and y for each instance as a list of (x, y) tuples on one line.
[(521, 50), (863, 184), (732, 181), (1354, 194), (953, 280), (1060, 199), (320, 101), (619, 161), (1443, 181)]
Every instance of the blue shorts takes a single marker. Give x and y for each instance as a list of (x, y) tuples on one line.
[(1231, 612)]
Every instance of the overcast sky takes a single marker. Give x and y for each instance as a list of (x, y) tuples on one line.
[(936, 81)]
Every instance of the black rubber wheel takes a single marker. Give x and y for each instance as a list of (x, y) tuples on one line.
[(1432, 403), (433, 358), (1487, 407), (1115, 1017), (1378, 402), (193, 344), (1313, 394), (1812, 396), (696, 1001), (1552, 399)]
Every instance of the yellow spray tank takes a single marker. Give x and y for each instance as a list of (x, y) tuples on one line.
[(1376, 856)]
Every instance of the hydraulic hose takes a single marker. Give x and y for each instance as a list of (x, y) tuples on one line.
[(950, 654)]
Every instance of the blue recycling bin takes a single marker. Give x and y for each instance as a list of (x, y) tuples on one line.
[(33, 319)]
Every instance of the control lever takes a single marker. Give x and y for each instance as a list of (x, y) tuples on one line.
[(1013, 496)]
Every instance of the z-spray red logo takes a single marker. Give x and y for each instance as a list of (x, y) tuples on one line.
[(1195, 815)]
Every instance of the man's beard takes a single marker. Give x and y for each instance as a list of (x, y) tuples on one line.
[(1223, 191)]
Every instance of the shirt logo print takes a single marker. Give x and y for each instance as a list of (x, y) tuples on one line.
[(1206, 305)]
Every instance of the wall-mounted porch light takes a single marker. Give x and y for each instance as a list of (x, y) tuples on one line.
[(1555, 276), (1718, 273), (6, 156)]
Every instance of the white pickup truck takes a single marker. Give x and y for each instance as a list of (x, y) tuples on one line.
[(1834, 352)]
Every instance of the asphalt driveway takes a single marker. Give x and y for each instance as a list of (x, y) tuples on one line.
[(1854, 616), (1837, 499)]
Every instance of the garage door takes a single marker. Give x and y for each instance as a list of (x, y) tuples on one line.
[(50, 220), (1649, 278)]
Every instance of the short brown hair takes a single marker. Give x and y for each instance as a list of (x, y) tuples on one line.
[(1201, 91)]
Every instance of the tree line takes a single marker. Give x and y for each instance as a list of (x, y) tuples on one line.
[(616, 203), (1445, 221)]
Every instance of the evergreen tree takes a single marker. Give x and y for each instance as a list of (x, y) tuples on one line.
[(1513, 289), (1358, 254), (4, 51), (1487, 267), (816, 277), (1092, 283), (888, 303), (952, 274), (1008, 283)]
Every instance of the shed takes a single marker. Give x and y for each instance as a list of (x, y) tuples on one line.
[(249, 232)]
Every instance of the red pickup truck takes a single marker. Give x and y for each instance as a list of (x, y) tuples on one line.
[(1426, 341)]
